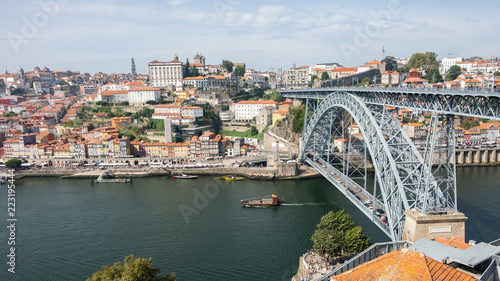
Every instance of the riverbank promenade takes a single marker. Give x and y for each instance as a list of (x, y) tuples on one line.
[(313, 266)]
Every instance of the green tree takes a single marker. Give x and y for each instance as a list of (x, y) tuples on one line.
[(145, 112), (187, 68), (102, 103), (425, 60), (453, 73), (136, 269), (254, 131), (274, 95), (366, 81), (17, 92), (298, 119), (227, 65), (390, 63), (239, 70), (9, 114), (324, 76), (313, 78), (469, 124), (125, 103), (210, 118), (150, 102), (355, 241), (143, 138), (156, 124), (194, 71), (74, 89), (69, 124), (433, 73), (497, 73), (336, 233), (13, 164)]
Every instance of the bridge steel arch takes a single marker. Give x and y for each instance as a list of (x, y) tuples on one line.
[(401, 174)]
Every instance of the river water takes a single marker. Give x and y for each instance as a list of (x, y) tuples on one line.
[(68, 229)]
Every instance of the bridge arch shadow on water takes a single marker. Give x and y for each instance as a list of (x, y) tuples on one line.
[(345, 136)]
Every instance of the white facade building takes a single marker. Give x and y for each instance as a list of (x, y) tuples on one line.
[(113, 97), (179, 115), (198, 82), (246, 110), (297, 77), (226, 116), (168, 108), (165, 74), (141, 95), (195, 111), (446, 63)]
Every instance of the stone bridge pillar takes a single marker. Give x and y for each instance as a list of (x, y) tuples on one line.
[(431, 226), (477, 156), (484, 158), (461, 157), (468, 157), (493, 156)]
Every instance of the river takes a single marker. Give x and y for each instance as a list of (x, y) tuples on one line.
[(68, 229)]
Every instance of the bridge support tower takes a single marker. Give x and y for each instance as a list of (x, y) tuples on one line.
[(431, 226)]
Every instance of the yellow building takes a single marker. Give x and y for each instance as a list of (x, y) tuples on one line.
[(180, 149), (182, 94), (120, 122), (156, 149), (279, 114), (62, 151)]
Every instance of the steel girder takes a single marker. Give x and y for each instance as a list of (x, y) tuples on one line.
[(401, 171), (471, 104), (440, 152)]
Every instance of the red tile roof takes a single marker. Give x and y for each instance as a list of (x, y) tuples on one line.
[(144, 89), (110, 93), (134, 84), (455, 242), (257, 102), (403, 265), (168, 106)]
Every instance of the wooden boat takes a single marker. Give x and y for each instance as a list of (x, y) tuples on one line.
[(265, 201), (183, 176), (233, 178), (113, 180)]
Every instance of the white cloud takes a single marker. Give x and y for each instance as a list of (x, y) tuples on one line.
[(270, 15), (261, 33)]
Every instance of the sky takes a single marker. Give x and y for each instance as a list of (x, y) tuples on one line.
[(103, 35)]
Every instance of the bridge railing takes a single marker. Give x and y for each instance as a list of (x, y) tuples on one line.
[(412, 89), (495, 243), (367, 255)]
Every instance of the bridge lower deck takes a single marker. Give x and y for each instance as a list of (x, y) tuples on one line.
[(370, 206)]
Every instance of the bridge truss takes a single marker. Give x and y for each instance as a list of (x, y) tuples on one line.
[(347, 132)]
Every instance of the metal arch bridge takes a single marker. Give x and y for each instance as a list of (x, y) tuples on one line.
[(344, 127)]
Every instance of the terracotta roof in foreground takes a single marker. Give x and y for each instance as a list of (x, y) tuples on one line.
[(403, 265)]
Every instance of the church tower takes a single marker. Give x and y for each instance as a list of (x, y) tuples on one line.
[(21, 74), (134, 73)]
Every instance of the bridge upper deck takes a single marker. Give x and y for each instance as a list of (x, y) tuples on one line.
[(472, 103)]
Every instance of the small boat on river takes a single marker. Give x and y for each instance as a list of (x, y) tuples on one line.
[(184, 176), (265, 201), (232, 178)]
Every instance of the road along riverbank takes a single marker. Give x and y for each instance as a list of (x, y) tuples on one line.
[(289, 172)]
